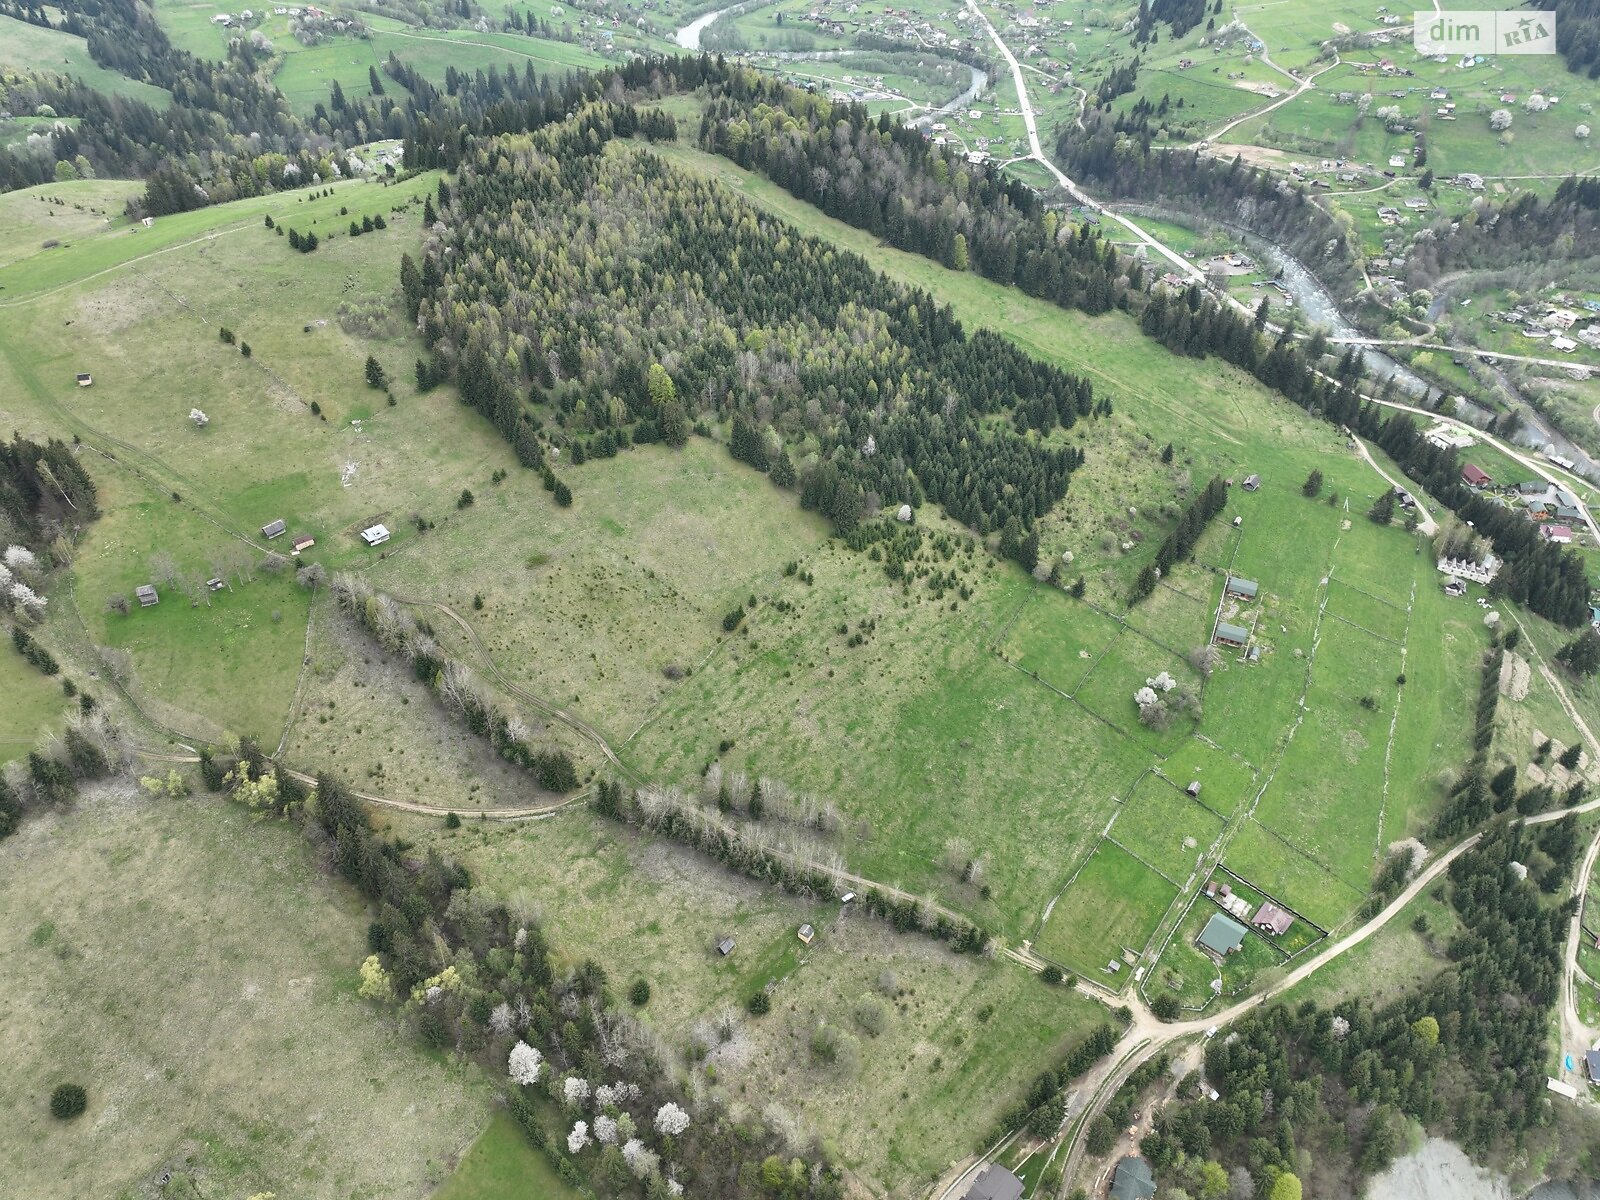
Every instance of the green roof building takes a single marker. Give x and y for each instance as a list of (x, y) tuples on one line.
[(1222, 935), (1133, 1180)]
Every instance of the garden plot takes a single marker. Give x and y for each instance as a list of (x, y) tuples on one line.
[(1058, 639), (1226, 781), (1263, 857), (1125, 671), (1113, 905), (1347, 602), (1165, 827)]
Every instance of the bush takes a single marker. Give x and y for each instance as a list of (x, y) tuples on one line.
[(68, 1101), (452, 821), (1051, 974), (639, 993)]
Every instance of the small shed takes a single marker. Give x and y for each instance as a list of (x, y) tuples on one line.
[(1455, 587), (1134, 1180), (1244, 589), (1592, 1061), (1274, 920), (1232, 635), (806, 934), (1252, 483), (725, 947), (216, 583), (85, 379), (273, 529), (847, 897), (1222, 935), (1193, 790), (301, 542), (147, 595), (375, 535)]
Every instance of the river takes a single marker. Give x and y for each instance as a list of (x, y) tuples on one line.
[(689, 39)]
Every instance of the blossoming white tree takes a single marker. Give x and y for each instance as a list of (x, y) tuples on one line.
[(525, 1062), (578, 1138), (641, 1160), (574, 1090), (671, 1120), (27, 600), (605, 1131), (20, 559)]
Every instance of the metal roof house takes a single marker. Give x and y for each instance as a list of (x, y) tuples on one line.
[(1222, 935), (1245, 589), (806, 934), (1133, 1180), (85, 379), (273, 529), (725, 947), (1475, 476), (1272, 919), (147, 595), (994, 1182), (375, 535), (1592, 1061), (1232, 635), (1252, 483)]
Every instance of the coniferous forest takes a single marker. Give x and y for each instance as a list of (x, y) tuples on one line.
[(630, 297)]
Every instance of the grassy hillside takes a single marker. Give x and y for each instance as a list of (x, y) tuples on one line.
[(196, 973), (32, 48)]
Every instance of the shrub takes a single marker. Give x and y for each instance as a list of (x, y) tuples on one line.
[(1051, 974), (759, 1004), (452, 821), (68, 1101), (639, 993)]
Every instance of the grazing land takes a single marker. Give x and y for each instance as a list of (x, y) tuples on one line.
[(100, 907), (933, 1046)]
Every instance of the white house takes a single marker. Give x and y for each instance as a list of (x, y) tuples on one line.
[(375, 536), (1465, 568)]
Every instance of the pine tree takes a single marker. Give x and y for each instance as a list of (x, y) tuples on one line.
[(1581, 656), (1312, 487), (375, 374)]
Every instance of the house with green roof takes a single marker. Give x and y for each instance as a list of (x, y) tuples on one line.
[(1133, 1180), (1244, 589), (1222, 935), (1232, 635)]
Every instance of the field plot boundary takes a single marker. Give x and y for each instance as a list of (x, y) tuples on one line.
[(1083, 969)]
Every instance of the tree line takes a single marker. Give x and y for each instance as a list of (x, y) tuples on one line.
[(892, 181), (399, 633), (468, 974)]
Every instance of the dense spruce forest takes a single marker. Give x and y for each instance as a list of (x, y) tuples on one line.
[(44, 491), (811, 146), (1578, 35), (634, 299), (892, 181), (1525, 231), (1326, 1093)]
